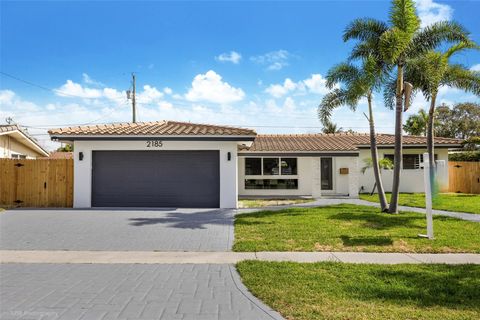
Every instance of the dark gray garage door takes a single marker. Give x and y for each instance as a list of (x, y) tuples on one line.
[(188, 179)]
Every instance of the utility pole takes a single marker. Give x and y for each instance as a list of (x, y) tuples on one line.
[(134, 111)]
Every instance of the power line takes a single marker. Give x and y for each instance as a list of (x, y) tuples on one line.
[(56, 91)]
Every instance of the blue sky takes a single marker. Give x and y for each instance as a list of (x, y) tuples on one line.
[(248, 63)]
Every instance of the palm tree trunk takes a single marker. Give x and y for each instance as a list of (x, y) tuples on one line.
[(374, 151), (430, 144), (397, 161)]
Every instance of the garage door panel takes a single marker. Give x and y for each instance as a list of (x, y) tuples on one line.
[(156, 179)]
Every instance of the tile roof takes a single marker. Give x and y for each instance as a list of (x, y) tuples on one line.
[(9, 128), (333, 142), (162, 128)]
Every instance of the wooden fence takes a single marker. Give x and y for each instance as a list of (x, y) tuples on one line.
[(464, 177), (36, 183)]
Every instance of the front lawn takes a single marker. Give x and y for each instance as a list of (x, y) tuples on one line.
[(363, 291), (351, 228), (259, 203), (459, 202)]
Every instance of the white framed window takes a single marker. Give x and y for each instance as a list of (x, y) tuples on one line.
[(274, 172)]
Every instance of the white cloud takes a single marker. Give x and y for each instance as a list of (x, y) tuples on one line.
[(475, 67), (431, 12), (316, 84), (210, 87), (167, 90), (279, 90), (149, 94), (233, 57), (274, 60), (88, 80), (72, 89)]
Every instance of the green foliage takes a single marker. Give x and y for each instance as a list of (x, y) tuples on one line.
[(403, 16), (470, 156), (66, 148), (472, 143), (330, 127), (462, 121), (383, 164), (416, 124)]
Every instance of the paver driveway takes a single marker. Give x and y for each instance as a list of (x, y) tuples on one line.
[(125, 291), (113, 230)]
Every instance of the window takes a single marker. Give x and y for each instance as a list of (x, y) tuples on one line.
[(288, 166), (18, 156), (271, 184), (270, 167), (410, 161), (253, 166)]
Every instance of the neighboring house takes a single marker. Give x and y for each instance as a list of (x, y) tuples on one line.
[(17, 144), (176, 164)]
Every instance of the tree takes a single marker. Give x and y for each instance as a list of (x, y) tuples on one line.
[(466, 117), (357, 83), (444, 126), (432, 70), (330, 127), (416, 124), (401, 40), (65, 148)]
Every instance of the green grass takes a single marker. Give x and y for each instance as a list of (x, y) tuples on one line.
[(459, 202), (351, 228), (305, 291), (260, 203)]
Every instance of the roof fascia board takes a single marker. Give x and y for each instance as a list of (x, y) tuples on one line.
[(150, 137), (298, 154), (29, 142)]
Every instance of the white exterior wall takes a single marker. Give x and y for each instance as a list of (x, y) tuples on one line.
[(9, 146), (411, 180), (82, 188), (308, 169)]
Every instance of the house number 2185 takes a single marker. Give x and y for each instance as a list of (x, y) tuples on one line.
[(154, 144)]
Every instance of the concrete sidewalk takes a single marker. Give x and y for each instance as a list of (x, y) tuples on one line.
[(149, 257)]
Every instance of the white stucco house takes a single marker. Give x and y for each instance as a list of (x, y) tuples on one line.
[(15, 143), (177, 164)]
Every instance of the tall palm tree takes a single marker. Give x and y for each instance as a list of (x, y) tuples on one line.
[(432, 70), (401, 41), (357, 84)]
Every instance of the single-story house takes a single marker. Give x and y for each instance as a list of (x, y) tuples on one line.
[(177, 164), (15, 143)]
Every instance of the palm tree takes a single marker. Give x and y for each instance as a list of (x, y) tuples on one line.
[(401, 41), (432, 70), (330, 127), (357, 84), (416, 124)]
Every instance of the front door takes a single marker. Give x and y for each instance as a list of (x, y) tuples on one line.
[(326, 173)]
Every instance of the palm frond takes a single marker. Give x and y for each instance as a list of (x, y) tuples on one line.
[(460, 46), (389, 91), (342, 73), (364, 29), (403, 16), (458, 76), (435, 34)]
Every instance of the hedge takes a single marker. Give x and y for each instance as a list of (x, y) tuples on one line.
[(472, 156)]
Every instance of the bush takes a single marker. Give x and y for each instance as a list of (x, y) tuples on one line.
[(472, 156)]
